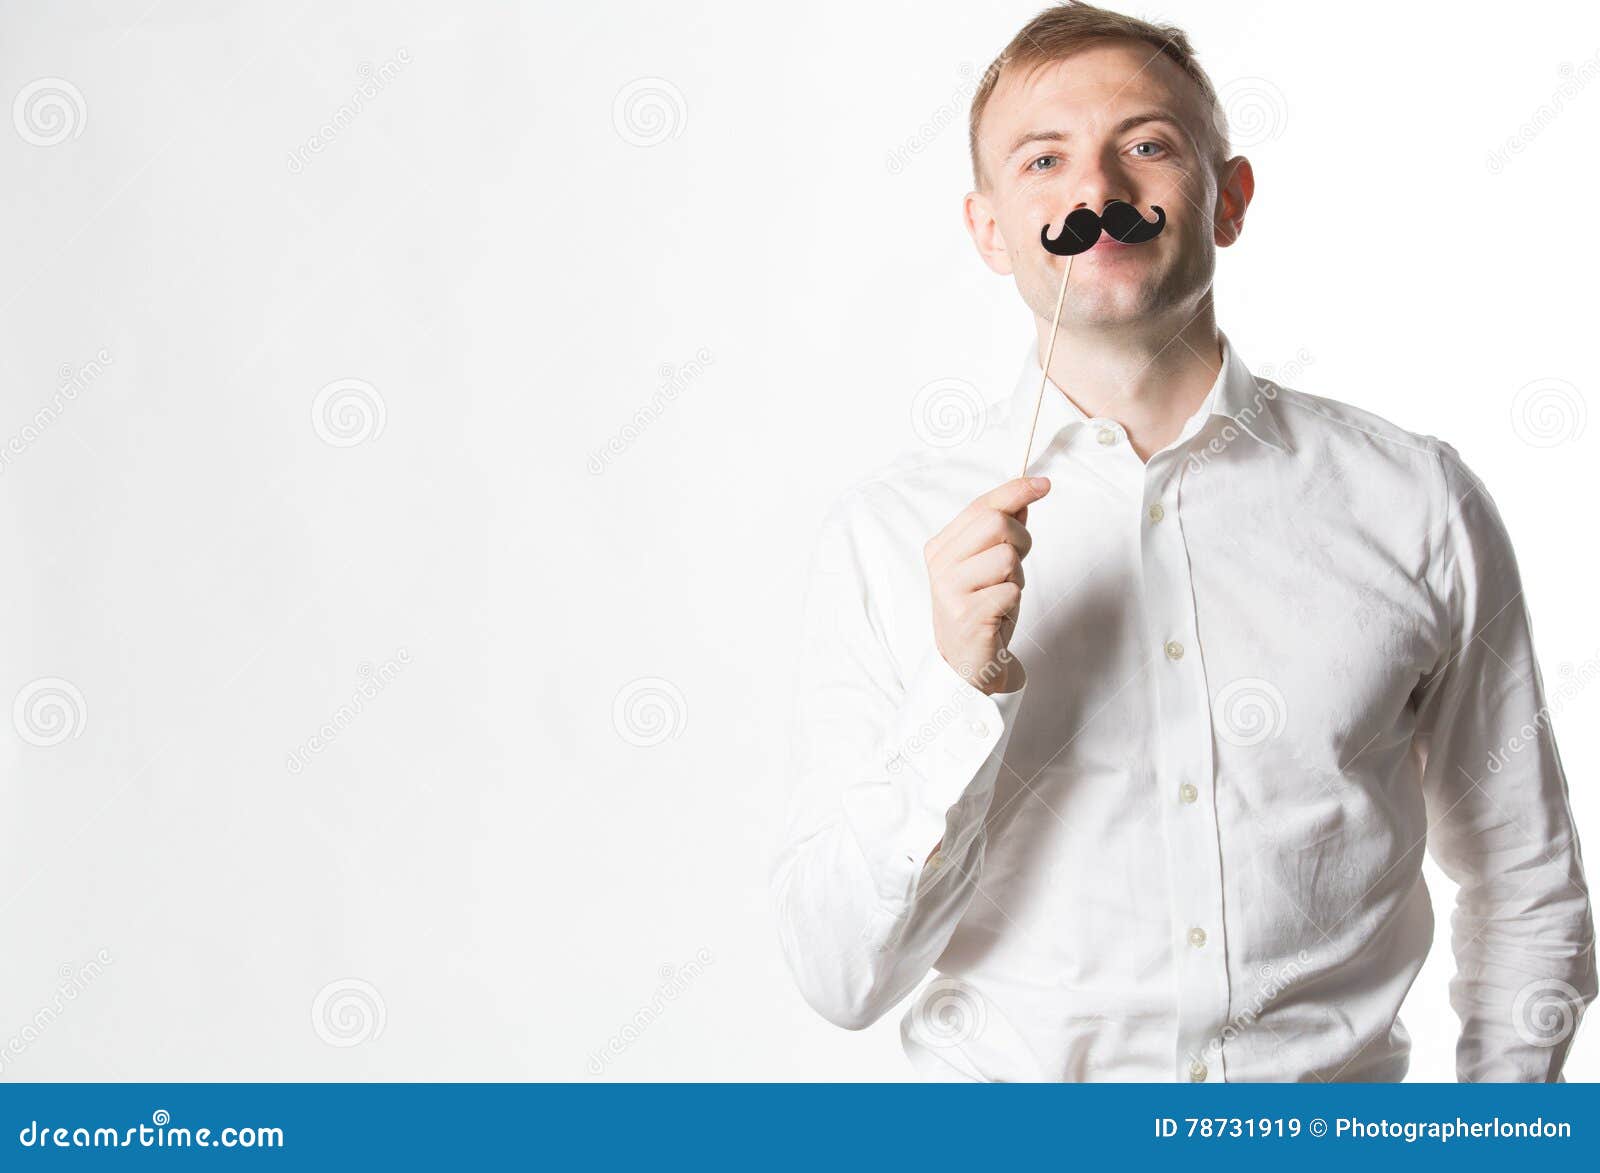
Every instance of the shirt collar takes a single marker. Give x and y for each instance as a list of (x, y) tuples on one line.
[(1236, 395)]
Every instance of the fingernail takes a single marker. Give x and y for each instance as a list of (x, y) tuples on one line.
[(1039, 482)]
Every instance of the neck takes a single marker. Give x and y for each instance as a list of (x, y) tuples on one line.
[(1149, 377)]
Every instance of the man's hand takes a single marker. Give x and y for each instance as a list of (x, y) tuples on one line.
[(975, 572)]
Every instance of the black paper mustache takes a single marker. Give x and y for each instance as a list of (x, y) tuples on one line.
[(1121, 221)]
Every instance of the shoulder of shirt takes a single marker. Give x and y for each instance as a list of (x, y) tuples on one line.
[(1455, 491), (1303, 410), (1306, 410)]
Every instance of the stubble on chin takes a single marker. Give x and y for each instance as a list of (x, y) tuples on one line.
[(1155, 295), (1089, 304)]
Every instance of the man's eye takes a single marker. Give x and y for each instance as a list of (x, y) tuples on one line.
[(1043, 163), (1156, 149)]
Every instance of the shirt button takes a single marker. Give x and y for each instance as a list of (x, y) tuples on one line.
[(1197, 1072), (1174, 650), (1107, 436), (1156, 512), (980, 728), (1187, 792), (1197, 937)]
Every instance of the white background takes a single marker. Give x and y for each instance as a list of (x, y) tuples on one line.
[(539, 212)]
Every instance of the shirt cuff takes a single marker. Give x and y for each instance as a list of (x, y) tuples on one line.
[(937, 762)]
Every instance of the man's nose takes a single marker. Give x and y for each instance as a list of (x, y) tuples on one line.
[(1097, 201), (1098, 184)]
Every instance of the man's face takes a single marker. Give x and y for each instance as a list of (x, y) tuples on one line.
[(1114, 121)]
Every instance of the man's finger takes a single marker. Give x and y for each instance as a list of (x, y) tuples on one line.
[(996, 564), (983, 532), (1012, 497)]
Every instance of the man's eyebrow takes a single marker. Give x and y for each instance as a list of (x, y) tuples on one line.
[(1127, 124), (1036, 136), (1140, 119)]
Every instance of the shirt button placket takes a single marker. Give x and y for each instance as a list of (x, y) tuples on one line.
[(1184, 722)]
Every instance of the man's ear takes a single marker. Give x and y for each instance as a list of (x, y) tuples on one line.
[(978, 212), (1237, 186)]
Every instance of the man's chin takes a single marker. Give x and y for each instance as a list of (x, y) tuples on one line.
[(1112, 314), (1103, 304)]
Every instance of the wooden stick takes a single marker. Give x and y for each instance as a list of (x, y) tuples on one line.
[(1044, 375)]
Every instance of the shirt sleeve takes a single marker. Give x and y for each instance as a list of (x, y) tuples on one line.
[(1499, 822), (884, 766)]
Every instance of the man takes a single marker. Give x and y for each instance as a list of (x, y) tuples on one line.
[(1157, 810)]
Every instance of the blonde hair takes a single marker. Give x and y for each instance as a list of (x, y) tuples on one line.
[(1059, 32)]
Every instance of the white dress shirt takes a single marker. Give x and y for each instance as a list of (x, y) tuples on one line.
[(1265, 670)]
